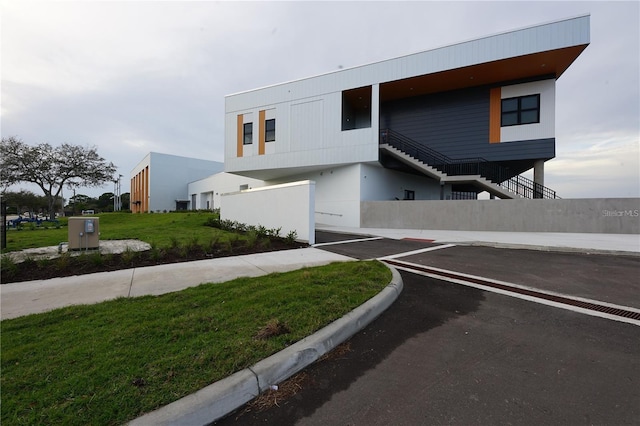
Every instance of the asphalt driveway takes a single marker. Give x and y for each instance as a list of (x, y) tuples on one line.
[(449, 354)]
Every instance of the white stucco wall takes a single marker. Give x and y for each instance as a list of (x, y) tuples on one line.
[(288, 206), (380, 184)]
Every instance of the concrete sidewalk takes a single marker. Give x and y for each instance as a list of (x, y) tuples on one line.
[(605, 243), (30, 297), (39, 296)]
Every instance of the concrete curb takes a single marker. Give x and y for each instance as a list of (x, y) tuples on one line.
[(222, 397)]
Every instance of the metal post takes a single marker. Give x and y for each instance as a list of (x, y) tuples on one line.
[(117, 197), (3, 207)]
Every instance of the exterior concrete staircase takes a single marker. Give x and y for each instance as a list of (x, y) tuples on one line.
[(478, 172)]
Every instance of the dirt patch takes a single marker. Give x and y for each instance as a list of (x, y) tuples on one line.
[(271, 329)]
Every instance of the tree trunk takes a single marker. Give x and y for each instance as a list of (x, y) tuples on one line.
[(53, 201)]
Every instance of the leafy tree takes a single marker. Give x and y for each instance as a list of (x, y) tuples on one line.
[(104, 203), (51, 168), (80, 202), (124, 199), (25, 201)]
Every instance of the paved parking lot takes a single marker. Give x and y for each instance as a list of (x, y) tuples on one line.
[(446, 353)]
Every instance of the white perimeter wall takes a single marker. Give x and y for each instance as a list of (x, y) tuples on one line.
[(288, 206), (211, 188), (337, 194), (339, 190)]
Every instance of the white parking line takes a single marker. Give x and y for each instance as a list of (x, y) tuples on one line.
[(410, 253), (347, 241), (411, 267)]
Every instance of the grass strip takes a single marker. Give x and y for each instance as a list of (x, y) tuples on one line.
[(160, 229), (111, 362)]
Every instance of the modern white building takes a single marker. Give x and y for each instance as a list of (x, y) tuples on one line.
[(160, 181), (205, 194), (442, 124)]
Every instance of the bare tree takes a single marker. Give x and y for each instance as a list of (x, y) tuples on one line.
[(51, 167)]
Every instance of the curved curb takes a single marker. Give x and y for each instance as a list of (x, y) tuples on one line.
[(222, 397)]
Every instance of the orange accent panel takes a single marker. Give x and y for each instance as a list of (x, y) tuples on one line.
[(240, 132), (136, 195), (494, 114), (145, 191), (132, 195), (261, 130)]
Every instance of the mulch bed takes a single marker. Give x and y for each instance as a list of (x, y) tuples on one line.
[(91, 262)]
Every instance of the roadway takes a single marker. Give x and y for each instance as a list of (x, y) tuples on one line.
[(450, 351)]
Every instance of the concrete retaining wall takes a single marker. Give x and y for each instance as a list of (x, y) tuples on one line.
[(288, 206), (591, 215)]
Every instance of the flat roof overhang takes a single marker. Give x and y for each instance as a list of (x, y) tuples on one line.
[(547, 63)]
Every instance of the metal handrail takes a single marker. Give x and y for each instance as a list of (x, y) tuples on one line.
[(466, 166)]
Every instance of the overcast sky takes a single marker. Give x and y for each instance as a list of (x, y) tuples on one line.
[(134, 77)]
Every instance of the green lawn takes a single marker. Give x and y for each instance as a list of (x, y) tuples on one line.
[(107, 363), (160, 229)]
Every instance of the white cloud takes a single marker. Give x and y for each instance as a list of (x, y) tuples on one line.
[(607, 166), (131, 77)]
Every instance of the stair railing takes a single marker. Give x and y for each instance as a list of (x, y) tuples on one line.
[(466, 166)]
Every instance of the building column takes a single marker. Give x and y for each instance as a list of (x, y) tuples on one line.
[(538, 178), (375, 110)]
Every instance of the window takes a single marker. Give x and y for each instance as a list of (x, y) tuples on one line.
[(409, 194), (247, 134), (270, 130), (356, 108), (521, 110)]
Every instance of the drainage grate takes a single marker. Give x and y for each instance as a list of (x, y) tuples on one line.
[(550, 297)]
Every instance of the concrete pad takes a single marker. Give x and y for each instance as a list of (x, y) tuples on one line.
[(51, 252), (31, 297)]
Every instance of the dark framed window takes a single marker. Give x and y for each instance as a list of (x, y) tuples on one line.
[(520, 110), (270, 130), (409, 194), (247, 138), (356, 108)]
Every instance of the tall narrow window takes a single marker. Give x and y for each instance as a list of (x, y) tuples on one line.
[(247, 134), (270, 130), (521, 110)]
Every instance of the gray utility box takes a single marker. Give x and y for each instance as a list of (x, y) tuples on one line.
[(84, 233)]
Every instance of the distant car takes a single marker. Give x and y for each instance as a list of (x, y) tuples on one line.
[(87, 212)]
